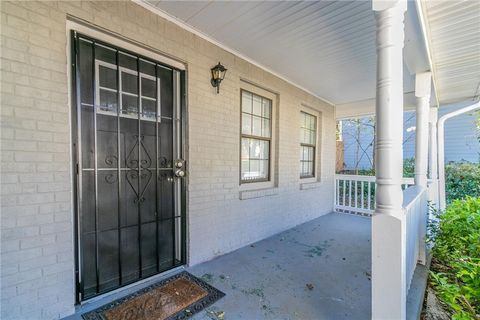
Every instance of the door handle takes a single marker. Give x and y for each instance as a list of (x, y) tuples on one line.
[(180, 173)]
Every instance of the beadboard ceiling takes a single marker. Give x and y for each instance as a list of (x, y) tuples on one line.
[(328, 47), (454, 38)]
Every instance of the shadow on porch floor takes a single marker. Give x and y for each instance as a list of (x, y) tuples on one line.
[(317, 270)]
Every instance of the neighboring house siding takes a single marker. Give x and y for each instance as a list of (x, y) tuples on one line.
[(461, 143), (37, 252), (358, 143)]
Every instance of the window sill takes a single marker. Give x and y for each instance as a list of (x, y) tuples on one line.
[(257, 193), (310, 185)]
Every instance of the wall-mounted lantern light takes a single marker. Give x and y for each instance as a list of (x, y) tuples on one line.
[(218, 74)]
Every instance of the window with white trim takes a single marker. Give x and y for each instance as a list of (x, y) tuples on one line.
[(256, 137), (308, 144)]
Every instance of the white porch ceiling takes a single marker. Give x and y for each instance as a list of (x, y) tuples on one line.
[(328, 47), (453, 29)]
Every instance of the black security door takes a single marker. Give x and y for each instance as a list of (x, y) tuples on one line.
[(129, 167)]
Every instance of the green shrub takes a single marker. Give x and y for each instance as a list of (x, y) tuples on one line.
[(455, 274), (462, 179), (409, 167)]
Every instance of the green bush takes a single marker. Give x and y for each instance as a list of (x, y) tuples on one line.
[(409, 168), (455, 272), (462, 179)]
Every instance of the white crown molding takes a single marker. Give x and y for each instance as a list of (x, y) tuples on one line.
[(206, 37)]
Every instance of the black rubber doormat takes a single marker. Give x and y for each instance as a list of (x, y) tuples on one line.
[(177, 297)]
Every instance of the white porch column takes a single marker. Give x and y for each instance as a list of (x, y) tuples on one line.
[(422, 92), (432, 159), (433, 164), (388, 221)]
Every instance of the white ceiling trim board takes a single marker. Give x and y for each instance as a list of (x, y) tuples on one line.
[(189, 28), (426, 38)]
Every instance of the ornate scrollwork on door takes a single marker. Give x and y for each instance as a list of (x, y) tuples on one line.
[(111, 160), (111, 178), (163, 162), (132, 158), (133, 174)]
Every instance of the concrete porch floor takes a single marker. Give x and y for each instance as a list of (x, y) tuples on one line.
[(268, 280)]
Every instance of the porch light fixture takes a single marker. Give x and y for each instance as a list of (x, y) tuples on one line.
[(218, 74)]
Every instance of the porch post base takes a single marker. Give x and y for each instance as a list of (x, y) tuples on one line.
[(388, 264)]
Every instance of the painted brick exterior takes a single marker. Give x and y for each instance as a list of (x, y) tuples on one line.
[(37, 254)]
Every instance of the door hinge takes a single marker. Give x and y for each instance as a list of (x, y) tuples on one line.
[(77, 169)]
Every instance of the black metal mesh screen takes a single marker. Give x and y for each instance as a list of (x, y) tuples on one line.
[(126, 187)]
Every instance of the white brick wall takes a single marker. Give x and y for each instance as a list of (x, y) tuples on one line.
[(37, 218)]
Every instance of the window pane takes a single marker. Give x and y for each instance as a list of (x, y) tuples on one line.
[(303, 119), (149, 108), (258, 169), (129, 83), (147, 67), (257, 105), (266, 128), (245, 148), (306, 169), (264, 164), (254, 149), (266, 108), (310, 168), (245, 166), (254, 169), (313, 124), (259, 149), (310, 153), (255, 159), (256, 126), (303, 153), (105, 54), (302, 169), (307, 161), (308, 128), (129, 105), (127, 61), (246, 124), (108, 101), (307, 153), (148, 88), (107, 77), (266, 150), (246, 102)]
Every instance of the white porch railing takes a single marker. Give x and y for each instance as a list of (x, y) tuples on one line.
[(356, 194), (415, 205)]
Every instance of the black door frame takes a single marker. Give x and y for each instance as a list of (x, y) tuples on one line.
[(182, 151)]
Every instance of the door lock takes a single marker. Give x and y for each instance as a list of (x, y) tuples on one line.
[(180, 168), (179, 163)]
